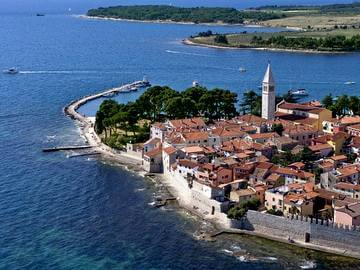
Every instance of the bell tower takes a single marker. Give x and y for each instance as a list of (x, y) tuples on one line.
[(268, 95)]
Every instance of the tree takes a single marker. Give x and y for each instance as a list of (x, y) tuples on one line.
[(240, 209), (180, 107), (278, 128), (221, 39), (251, 103), (328, 101), (354, 104)]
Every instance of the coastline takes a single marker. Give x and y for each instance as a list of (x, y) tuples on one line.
[(133, 163), (169, 21), (191, 43)]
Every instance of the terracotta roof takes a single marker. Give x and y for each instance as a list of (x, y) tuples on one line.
[(188, 163), (263, 135), (170, 150), (348, 120), (338, 157), (188, 123), (298, 165), (319, 147), (273, 177), (192, 136), (153, 153), (347, 186), (348, 170), (244, 192), (193, 149), (300, 107), (251, 119), (264, 165), (159, 125), (227, 132), (314, 103), (352, 209)]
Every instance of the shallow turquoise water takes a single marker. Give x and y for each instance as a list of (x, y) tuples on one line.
[(61, 213)]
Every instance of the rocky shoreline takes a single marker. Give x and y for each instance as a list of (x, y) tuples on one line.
[(191, 43)]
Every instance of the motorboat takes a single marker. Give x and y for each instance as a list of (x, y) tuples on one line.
[(195, 84), (11, 71), (40, 15), (242, 69), (349, 83), (299, 92)]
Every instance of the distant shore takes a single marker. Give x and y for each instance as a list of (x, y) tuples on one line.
[(170, 22), (191, 43)]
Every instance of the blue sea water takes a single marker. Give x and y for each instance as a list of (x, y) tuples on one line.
[(79, 213)]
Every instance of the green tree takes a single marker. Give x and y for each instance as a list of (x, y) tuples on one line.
[(354, 104), (251, 103), (328, 101), (278, 128), (221, 39)]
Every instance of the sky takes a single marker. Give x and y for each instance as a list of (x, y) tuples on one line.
[(81, 6)]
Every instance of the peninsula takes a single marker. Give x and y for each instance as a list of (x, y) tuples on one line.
[(330, 28), (165, 13), (276, 168)]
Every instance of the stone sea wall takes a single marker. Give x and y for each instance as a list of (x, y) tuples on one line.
[(320, 233)]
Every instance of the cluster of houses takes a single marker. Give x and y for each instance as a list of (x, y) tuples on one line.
[(229, 161)]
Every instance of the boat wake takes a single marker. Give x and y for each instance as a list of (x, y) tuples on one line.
[(72, 72), (187, 53)]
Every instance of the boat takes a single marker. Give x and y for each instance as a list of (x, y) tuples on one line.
[(299, 92), (242, 69), (195, 84), (40, 15), (11, 71), (349, 83), (146, 82), (133, 89)]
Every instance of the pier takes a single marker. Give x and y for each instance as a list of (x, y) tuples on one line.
[(64, 148)]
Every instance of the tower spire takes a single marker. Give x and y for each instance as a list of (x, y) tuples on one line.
[(269, 77)]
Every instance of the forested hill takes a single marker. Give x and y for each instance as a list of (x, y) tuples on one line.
[(179, 14)]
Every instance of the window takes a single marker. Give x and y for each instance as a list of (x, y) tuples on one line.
[(273, 199), (280, 202)]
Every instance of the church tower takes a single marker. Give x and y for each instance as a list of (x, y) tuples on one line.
[(268, 95)]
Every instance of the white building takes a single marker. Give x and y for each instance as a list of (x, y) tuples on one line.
[(268, 95)]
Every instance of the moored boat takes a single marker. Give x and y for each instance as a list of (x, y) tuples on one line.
[(299, 92)]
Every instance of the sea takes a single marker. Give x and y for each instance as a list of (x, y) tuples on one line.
[(64, 212)]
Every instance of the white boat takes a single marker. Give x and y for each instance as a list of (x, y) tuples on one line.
[(242, 69), (195, 84), (299, 92), (11, 71), (349, 83), (133, 88)]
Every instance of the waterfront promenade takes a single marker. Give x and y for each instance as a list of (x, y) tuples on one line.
[(87, 124)]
